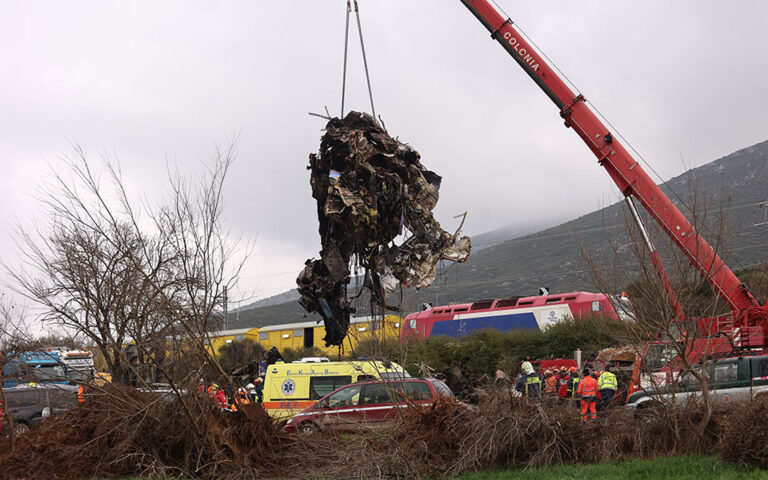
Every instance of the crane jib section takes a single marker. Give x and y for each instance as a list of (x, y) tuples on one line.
[(625, 171)]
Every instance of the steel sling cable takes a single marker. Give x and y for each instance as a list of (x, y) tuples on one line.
[(365, 61), (344, 74)]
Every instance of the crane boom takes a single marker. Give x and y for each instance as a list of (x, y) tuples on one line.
[(625, 171)]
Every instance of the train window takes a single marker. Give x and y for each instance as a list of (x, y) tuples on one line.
[(481, 305), (458, 310), (412, 324), (438, 311), (509, 302), (596, 307), (553, 300), (263, 336), (529, 302), (298, 333), (569, 298)]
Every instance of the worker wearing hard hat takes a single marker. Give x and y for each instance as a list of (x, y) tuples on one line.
[(528, 382), (607, 385), (218, 395), (573, 382), (563, 379), (242, 396), (527, 367), (550, 383), (587, 390)]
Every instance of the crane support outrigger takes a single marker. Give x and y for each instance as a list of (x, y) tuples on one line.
[(747, 323)]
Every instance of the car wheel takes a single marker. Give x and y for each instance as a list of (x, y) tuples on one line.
[(21, 429), (307, 428)]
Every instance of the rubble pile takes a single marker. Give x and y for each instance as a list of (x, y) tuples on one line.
[(625, 353), (369, 189)]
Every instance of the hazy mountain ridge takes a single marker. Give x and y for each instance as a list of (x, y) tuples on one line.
[(731, 187)]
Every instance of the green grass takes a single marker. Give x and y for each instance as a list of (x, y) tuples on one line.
[(678, 468)]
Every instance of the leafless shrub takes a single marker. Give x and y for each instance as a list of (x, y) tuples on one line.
[(149, 437), (744, 436), (116, 273)]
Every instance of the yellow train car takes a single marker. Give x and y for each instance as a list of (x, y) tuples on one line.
[(302, 335), (218, 339)]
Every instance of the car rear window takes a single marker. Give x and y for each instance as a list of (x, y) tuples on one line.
[(442, 389), (322, 386), (393, 375), (375, 393), (417, 391)]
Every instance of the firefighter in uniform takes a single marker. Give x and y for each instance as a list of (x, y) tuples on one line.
[(528, 382), (533, 385), (607, 385)]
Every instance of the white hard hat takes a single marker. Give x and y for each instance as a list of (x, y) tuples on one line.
[(250, 386)]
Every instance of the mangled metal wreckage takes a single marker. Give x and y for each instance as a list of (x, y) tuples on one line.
[(370, 188)]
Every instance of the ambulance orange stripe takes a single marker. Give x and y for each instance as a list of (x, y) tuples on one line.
[(288, 405)]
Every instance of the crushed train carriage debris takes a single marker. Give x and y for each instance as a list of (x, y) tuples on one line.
[(369, 189)]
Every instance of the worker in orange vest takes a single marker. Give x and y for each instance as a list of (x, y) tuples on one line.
[(587, 390), (81, 393), (242, 397), (550, 383)]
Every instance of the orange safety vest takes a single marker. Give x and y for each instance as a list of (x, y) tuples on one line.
[(81, 394), (551, 387), (587, 387)]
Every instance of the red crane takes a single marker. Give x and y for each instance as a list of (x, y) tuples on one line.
[(748, 321)]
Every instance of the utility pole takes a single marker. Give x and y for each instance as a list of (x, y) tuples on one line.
[(225, 300)]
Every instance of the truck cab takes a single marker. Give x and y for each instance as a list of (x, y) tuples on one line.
[(33, 368)]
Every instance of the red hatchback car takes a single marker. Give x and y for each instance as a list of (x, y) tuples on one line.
[(365, 405)]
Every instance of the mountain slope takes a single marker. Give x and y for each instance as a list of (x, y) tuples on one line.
[(730, 189)]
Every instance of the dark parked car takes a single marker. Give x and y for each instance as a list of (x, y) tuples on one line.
[(367, 405), (29, 405)]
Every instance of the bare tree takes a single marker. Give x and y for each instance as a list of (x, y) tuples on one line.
[(684, 344), (116, 273), (14, 337)]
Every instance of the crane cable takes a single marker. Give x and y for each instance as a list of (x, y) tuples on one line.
[(344, 73), (365, 59)]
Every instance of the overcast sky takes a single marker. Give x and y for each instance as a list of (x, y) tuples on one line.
[(162, 82)]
